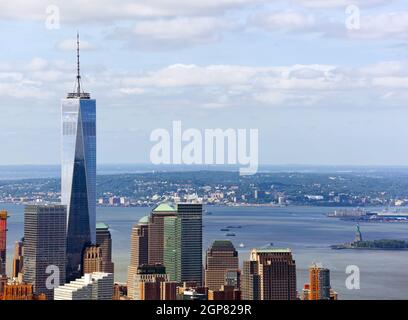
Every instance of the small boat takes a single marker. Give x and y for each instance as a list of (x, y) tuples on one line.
[(241, 245), (230, 234), (224, 229)]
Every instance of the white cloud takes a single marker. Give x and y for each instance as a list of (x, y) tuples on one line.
[(215, 86), (111, 10), (176, 32), (339, 3), (285, 20)]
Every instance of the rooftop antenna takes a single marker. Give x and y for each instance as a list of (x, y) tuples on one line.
[(78, 69)]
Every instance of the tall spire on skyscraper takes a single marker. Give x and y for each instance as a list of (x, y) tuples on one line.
[(78, 69), (78, 93)]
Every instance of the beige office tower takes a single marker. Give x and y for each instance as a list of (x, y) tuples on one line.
[(156, 232), (269, 275), (220, 257), (18, 261), (104, 240), (92, 259), (138, 252), (153, 276)]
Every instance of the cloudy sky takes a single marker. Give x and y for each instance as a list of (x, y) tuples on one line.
[(320, 88)]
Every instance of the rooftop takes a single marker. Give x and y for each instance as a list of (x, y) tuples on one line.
[(164, 207), (222, 245), (272, 250), (101, 225), (144, 220)]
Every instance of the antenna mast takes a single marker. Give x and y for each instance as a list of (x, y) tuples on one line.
[(78, 69)]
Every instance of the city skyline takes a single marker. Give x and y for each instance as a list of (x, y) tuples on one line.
[(340, 102), (318, 85)]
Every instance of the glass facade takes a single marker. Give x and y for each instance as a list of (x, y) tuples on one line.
[(78, 177)]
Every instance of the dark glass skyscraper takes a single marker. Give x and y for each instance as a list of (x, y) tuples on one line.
[(78, 173), (44, 245)]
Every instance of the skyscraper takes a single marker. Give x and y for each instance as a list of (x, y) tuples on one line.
[(138, 252), (319, 283), (183, 244), (92, 259), (156, 231), (154, 275), (78, 172), (250, 281), (270, 275), (18, 262), (3, 242), (220, 257), (44, 246), (104, 241)]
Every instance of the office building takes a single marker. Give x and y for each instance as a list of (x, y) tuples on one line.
[(225, 293), (92, 259), (250, 281), (3, 242), (16, 291), (168, 290), (220, 257), (18, 261), (183, 244), (147, 273), (92, 286), (138, 252), (78, 173), (44, 246), (319, 283), (156, 231), (269, 275), (104, 241), (233, 278)]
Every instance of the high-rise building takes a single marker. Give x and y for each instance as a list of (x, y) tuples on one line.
[(18, 260), (104, 241), (3, 242), (168, 290), (225, 293), (220, 257), (44, 246), (156, 231), (183, 244), (78, 173), (92, 259), (250, 281), (233, 278), (319, 283), (147, 273), (92, 286), (270, 275), (138, 251)]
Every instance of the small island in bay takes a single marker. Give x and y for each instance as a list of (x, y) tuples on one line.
[(383, 244)]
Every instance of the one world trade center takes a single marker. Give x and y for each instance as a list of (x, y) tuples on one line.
[(78, 172)]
